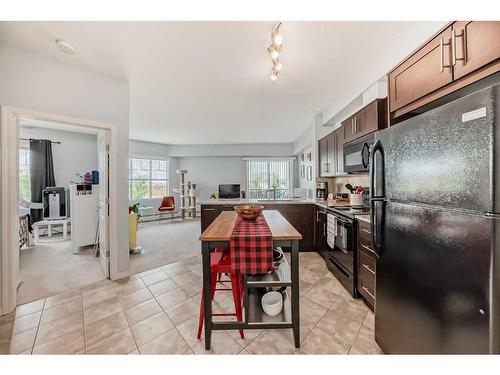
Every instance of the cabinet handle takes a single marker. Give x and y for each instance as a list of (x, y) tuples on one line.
[(441, 46), (355, 125), (367, 248), (454, 37), (366, 231), (352, 125), (209, 209), (324, 229), (368, 268), (368, 292)]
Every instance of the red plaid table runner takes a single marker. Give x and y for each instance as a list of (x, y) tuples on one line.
[(251, 246)]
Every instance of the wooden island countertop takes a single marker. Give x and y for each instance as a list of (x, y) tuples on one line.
[(222, 227)]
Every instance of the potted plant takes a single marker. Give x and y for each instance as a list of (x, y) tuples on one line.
[(133, 221)]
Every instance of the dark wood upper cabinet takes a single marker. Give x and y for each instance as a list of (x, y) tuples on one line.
[(338, 136), (348, 127), (425, 71), (476, 44), (460, 54), (367, 120), (323, 156), (331, 157)]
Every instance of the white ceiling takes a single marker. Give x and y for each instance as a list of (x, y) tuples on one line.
[(208, 82)]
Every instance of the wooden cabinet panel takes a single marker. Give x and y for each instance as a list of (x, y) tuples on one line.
[(328, 155), (477, 43), (366, 287), (367, 120), (323, 157), (339, 150), (208, 214), (301, 217), (332, 155), (364, 230), (366, 265), (470, 51), (421, 74), (348, 129)]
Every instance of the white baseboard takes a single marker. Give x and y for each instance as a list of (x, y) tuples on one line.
[(121, 275)]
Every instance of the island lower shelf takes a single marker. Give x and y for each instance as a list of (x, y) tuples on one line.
[(255, 315)]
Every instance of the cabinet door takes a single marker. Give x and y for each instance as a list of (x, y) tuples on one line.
[(208, 215), (348, 129), (366, 120), (476, 43), (332, 155), (425, 71), (339, 148), (323, 157)]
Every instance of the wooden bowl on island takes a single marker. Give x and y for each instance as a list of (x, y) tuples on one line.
[(249, 212)]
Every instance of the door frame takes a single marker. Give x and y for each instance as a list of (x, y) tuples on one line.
[(9, 261)]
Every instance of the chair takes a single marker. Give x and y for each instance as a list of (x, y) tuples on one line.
[(220, 263), (167, 206)]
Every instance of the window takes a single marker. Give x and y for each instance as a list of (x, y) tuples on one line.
[(24, 174), (148, 178), (265, 177)]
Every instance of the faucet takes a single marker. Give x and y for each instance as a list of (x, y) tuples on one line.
[(273, 190)]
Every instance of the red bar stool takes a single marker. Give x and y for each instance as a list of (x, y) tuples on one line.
[(220, 263)]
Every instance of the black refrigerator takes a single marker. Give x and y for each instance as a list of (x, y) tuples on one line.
[(435, 209)]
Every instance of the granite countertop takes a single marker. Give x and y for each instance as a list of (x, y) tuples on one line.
[(257, 201)]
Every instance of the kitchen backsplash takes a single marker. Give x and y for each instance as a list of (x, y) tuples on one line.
[(337, 184)]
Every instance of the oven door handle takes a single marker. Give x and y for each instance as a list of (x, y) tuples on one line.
[(345, 222)]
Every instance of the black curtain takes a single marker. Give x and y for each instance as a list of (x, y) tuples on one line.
[(41, 172)]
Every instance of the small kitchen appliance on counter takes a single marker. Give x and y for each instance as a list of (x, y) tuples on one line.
[(321, 190)]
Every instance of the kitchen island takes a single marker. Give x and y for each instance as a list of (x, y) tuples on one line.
[(300, 213), (218, 235)]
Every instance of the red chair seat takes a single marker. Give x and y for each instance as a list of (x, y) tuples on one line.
[(166, 208)]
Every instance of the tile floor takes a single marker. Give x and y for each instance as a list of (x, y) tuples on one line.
[(156, 312)]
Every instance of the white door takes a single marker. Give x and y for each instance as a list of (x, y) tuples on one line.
[(103, 164)]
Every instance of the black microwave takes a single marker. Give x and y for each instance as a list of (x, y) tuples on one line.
[(357, 154)]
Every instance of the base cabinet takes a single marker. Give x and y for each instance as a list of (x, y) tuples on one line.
[(366, 265)]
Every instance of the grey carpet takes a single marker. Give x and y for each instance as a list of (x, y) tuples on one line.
[(50, 267), (165, 243)]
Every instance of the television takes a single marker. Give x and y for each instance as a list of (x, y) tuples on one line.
[(229, 191)]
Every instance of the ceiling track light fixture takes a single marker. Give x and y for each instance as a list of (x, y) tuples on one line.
[(275, 50)]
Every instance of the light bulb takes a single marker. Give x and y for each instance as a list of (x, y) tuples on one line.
[(275, 54), (278, 39), (278, 67), (273, 76)]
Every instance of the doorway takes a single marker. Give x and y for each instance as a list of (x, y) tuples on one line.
[(69, 239)]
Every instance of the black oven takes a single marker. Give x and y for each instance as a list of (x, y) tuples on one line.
[(356, 154), (341, 250)]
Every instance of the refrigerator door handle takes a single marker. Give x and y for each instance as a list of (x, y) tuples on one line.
[(376, 229), (376, 195), (374, 190)]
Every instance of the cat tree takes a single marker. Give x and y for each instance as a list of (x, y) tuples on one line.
[(188, 194)]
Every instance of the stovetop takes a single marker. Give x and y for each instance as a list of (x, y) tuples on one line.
[(349, 211)]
